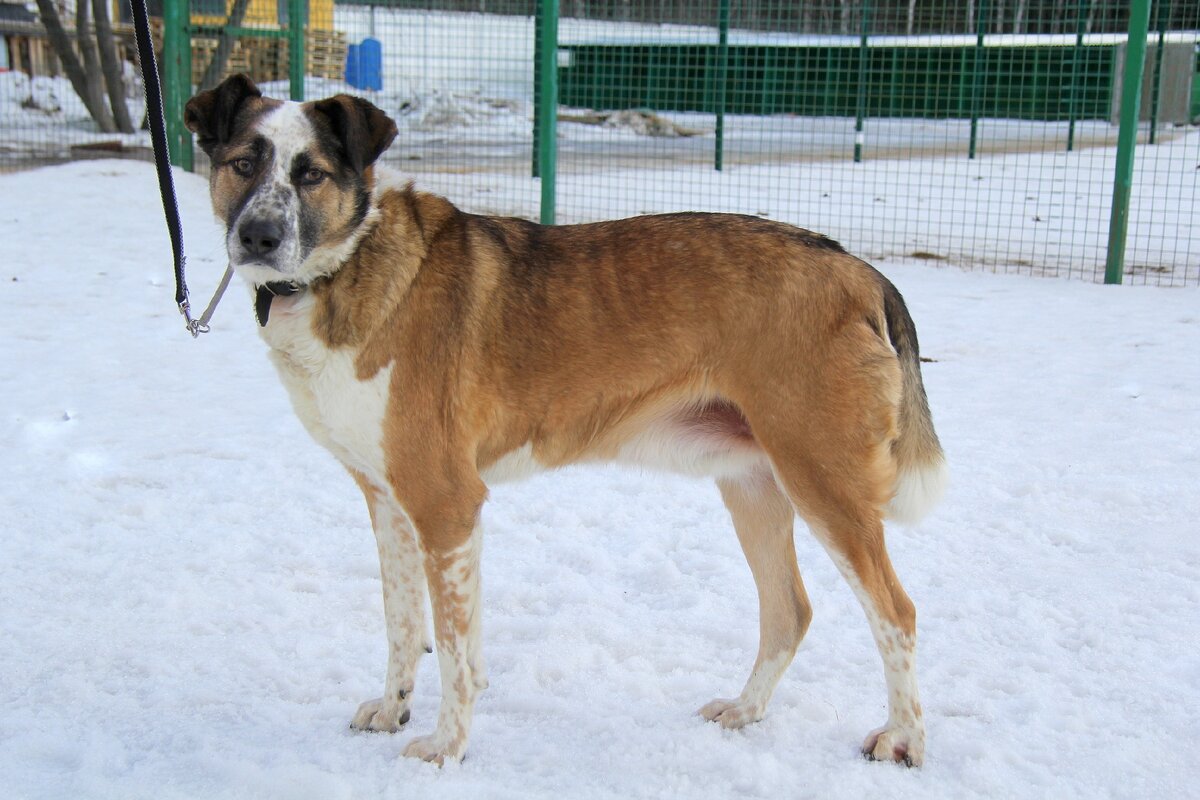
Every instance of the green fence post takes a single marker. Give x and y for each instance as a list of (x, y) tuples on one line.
[(547, 101), (722, 77), (1080, 24), (535, 151), (861, 105), (1162, 12), (177, 80), (1131, 96), (184, 80), (297, 11), (980, 63)]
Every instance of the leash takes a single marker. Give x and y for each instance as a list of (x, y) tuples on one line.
[(162, 163)]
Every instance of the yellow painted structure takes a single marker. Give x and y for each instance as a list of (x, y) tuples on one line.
[(265, 14)]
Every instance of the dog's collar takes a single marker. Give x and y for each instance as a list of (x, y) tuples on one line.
[(267, 292)]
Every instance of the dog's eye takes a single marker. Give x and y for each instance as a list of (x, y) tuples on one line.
[(312, 177), (242, 166)]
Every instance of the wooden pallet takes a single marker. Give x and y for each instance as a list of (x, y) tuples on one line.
[(266, 59), (244, 58), (324, 55)]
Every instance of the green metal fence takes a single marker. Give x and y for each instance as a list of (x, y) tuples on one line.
[(1048, 137), (888, 78)]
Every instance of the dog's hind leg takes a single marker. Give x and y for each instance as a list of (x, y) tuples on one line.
[(856, 545), (403, 609), (833, 457), (763, 517)]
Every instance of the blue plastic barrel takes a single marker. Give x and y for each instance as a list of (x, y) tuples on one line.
[(364, 65)]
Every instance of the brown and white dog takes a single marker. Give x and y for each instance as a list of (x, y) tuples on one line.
[(434, 352)]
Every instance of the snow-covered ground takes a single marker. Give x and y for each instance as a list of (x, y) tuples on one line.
[(190, 605)]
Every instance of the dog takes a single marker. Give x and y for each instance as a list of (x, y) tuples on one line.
[(435, 352)]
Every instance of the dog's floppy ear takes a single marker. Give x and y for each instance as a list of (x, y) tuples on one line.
[(211, 115), (362, 130)]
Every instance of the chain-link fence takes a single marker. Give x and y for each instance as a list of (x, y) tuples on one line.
[(983, 133)]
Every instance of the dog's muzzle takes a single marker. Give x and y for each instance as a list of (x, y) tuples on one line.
[(260, 237)]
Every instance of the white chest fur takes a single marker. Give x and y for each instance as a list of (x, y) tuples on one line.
[(341, 412)]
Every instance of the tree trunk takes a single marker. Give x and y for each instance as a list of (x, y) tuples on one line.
[(81, 81), (1019, 17), (216, 67), (91, 68), (114, 80)]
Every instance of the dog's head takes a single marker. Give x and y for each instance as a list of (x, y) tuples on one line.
[(291, 181)]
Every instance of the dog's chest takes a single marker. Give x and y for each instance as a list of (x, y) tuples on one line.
[(341, 412)]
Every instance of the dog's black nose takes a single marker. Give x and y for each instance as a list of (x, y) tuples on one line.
[(260, 236)]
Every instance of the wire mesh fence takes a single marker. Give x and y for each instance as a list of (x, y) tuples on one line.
[(972, 133), (981, 134)]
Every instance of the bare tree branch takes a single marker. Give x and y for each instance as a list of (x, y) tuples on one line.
[(1019, 17), (111, 65), (226, 41), (76, 73), (91, 69)]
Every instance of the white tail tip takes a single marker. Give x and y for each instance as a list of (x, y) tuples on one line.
[(917, 492)]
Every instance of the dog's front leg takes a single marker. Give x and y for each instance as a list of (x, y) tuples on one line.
[(403, 609), (451, 545)]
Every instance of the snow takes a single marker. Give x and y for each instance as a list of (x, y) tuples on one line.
[(191, 606)]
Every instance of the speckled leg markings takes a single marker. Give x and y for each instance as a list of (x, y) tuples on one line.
[(763, 519), (893, 624), (454, 594), (404, 611)]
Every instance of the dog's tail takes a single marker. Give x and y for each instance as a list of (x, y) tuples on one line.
[(920, 464)]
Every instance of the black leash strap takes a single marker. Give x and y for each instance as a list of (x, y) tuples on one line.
[(162, 162)]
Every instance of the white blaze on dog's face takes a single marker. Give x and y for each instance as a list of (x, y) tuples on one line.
[(290, 181)]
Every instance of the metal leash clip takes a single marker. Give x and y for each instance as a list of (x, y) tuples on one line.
[(198, 326), (195, 327)]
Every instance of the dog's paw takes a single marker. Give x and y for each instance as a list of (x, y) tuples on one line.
[(434, 749), (380, 715), (900, 744), (731, 714)]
